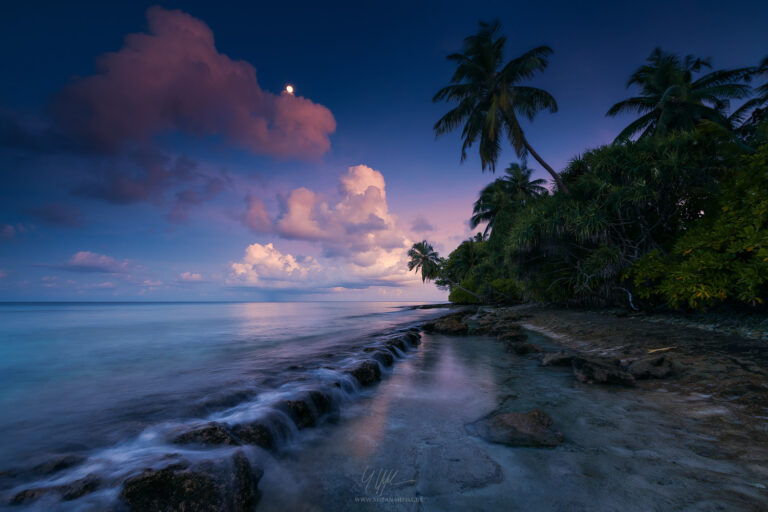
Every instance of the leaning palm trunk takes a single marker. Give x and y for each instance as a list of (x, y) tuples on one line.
[(560, 185)]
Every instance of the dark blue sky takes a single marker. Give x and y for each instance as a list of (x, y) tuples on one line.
[(375, 66)]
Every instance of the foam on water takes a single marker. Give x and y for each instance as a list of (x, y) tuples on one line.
[(230, 368)]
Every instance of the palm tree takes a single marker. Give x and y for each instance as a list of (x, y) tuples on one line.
[(514, 188), (752, 112), (424, 257), (490, 98), (670, 99)]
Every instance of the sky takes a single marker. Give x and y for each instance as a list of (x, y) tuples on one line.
[(150, 151)]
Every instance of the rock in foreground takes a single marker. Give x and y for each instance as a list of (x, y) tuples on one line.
[(367, 373), (213, 486), (656, 367), (601, 371), (517, 429), (211, 434), (556, 359)]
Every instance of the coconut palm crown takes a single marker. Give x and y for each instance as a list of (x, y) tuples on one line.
[(489, 97), (671, 99), (515, 187), (423, 257)]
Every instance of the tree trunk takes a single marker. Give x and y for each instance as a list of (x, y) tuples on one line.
[(546, 166), (457, 285)]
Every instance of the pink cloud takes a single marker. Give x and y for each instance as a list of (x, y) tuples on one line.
[(173, 78), (358, 223), (86, 261), (256, 216), (190, 277)]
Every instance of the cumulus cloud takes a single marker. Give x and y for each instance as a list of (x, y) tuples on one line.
[(86, 261), (173, 78), (360, 242), (57, 214), (190, 277), (358, 223), (265, 265)]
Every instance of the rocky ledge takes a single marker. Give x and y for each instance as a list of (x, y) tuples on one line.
[(223, 484), (207, 486)]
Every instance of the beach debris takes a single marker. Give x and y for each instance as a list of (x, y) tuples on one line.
[(654, 350)]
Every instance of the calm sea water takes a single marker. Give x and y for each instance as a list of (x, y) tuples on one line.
[(78, 377)]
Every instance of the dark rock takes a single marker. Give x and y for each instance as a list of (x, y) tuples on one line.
[(656, 367), (256, 433), (384, 357), (245, 482), (322, 401), (513, 337), (449, 324), (59, 463), (213, 486), (367, 373), (517, 429), (213, 433), (300, 411), (397, 342), (68, 492), (80, 488), (522, 349), (29, 495), (413, 338), (556, 359), (600, 371)]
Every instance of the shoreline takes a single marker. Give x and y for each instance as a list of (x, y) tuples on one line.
[(718, 379), (185, 460), (706, 385)]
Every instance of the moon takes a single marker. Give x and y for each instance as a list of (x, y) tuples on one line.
[(289, 89)]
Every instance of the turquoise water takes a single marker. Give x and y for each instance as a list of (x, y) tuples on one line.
[(76, 377)]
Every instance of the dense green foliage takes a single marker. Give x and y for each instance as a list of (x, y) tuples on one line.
[(676, 218), (722, 258)]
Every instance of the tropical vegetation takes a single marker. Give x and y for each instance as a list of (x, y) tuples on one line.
[(673, 214)]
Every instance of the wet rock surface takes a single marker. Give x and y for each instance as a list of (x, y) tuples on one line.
[(367, 372), (211, 434), (59, 463), (517, 429), (601, 371), (556, 359), (218, 485), (256, 433), (655, 367), (67, 492)]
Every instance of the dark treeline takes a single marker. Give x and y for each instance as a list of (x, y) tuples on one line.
[(674, 213)]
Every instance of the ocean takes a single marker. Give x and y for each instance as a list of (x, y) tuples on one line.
[(110, 380)]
